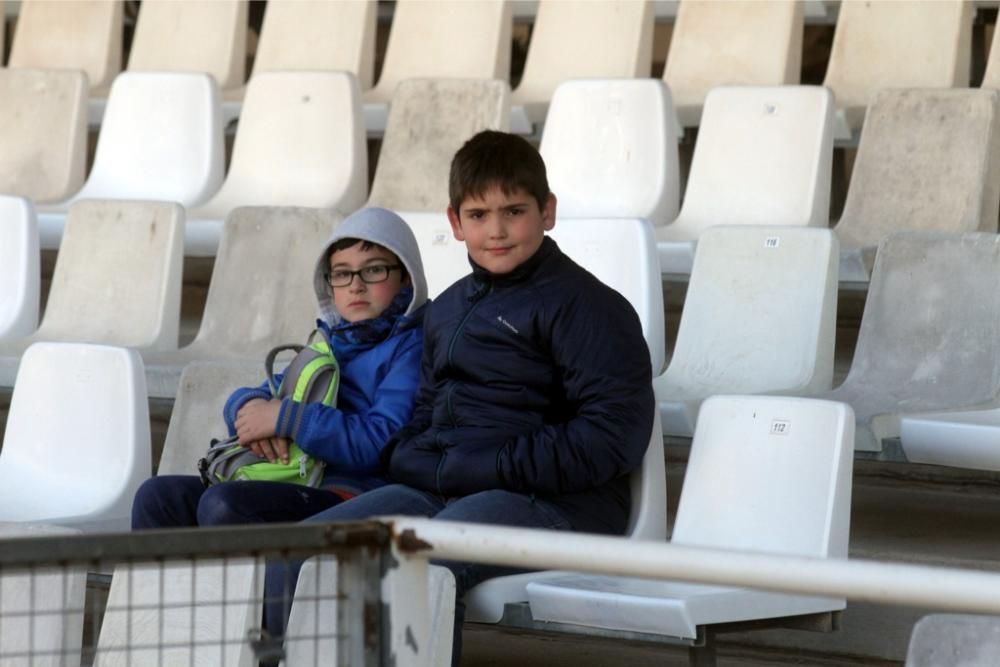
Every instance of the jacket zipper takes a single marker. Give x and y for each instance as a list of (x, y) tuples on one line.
[(476, 298)]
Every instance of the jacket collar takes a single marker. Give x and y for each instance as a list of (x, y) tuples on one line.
[(522, 272)]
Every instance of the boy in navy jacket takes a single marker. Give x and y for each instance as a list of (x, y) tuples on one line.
[(535, 399)]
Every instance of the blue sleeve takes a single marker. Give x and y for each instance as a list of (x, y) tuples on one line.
[(598, 348), (351, 442), (241, 397)]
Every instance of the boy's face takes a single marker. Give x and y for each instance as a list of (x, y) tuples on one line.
[(502, 231), (358, 300)]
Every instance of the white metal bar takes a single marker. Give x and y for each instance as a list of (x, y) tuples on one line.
[(943, 588)]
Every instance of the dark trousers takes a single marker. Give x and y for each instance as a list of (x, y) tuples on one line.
[(174, 501)]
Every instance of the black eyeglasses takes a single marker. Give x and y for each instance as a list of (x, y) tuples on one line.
[(376, 273)]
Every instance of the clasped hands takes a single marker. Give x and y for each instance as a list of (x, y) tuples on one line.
[(255, 429)]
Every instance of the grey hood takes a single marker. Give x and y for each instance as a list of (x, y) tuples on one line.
[(385, 228)]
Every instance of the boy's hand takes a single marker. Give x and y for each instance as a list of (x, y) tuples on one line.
[(256, 420), (272, 449)]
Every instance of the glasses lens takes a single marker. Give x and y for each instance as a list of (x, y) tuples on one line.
[(375, 274), (339, 278)]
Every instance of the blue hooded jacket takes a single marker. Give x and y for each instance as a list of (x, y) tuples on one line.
[(379, 364)]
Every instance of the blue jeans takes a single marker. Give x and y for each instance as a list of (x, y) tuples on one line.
[(173, 501), (498, 507)]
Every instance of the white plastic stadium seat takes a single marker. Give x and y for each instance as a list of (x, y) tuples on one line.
[(182, 613), (574, 39), (20, 268), (77, 441), (647, 521), (759, 317), (117, 280), (610, 150), (621, 253), (41, 610), (445, 259), (249, 312), (926, 342), (43, 131), (445, 39), (746, 43), (300, 142), (765, 474), (763, 157), (161, 139), (963, 439), (882, 44), (927, 160)]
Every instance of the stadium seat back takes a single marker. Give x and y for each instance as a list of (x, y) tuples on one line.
[(70, 34), (207, 36), (20, 268), (78, 429), (428, 122), (574, 39), (743, 43), (610, 150), (337, 35), (43, 131)]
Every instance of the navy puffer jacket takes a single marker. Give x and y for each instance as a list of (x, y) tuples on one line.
[(537, 382)]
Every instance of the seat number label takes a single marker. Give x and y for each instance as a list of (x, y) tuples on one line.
[(772, 242), (780, 426)]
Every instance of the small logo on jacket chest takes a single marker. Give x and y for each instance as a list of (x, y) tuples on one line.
[(507, 324)]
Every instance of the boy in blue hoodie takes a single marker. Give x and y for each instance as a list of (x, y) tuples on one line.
[(535, 399), (371, 290)]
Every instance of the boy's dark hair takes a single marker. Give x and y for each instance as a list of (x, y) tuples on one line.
[(349, 242), (496, 159)]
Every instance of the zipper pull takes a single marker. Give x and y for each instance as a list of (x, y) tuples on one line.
[(303, 460)]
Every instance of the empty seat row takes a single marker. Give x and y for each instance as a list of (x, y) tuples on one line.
[(712, 44), (928, 160), (300, 143)]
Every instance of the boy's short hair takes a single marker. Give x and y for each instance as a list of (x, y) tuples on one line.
[(496, 159), (348, 242)]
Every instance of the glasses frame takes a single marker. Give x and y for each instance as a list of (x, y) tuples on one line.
[(328, 276)]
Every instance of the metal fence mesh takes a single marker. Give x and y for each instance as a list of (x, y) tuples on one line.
[(191, 597)]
